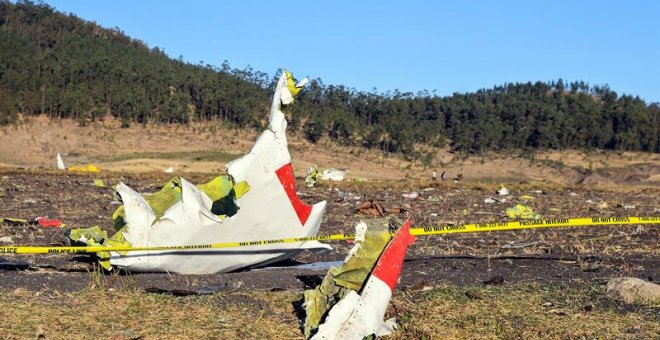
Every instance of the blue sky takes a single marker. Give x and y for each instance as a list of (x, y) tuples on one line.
[(452, 46)]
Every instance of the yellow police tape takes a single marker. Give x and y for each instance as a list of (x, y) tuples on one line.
[(425, 231)]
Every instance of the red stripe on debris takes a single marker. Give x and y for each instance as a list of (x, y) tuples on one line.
[(390, 263), (285, 174)]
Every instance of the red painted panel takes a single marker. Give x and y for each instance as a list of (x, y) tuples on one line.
[(285, 174), (389, 265)]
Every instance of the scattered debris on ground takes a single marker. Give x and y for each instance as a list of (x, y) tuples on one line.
[(316, 174), (522, 211)]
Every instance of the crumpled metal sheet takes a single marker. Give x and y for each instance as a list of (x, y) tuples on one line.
[(522, 211), (315, 174), (373, 208), (264, 196), (371, 237), (352, 299)]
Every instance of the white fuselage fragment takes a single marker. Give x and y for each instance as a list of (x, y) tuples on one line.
[(357, 316), (267, 211), (60, 162), (332, 174)]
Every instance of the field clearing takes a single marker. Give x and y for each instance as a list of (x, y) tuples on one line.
[(540, 283), (207, 147), (552, 285)]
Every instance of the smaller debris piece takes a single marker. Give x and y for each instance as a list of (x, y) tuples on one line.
[(522, 211), (46, 222), (410, 195), (93, 236), (491, 200), (333, 174), (315, 174), (85, 168), (372, 208), (60, 162), (351, 301)]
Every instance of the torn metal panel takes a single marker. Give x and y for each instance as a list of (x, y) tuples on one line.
[(333, 174), (60, 162), (522, 211), (312, 176), (89, 236), (315, 174), (371, 237), (261, 188), (363, 256), (349, 314), (46, 222)]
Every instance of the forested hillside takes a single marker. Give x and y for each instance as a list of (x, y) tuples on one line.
[(62, 66)]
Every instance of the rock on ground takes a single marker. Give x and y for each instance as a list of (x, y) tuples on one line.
[(632, 289)]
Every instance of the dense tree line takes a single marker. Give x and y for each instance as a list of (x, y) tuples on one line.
[(62, 66), (551, 115), (59, 65)]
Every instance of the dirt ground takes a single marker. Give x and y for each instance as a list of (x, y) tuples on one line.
[(592, 254)]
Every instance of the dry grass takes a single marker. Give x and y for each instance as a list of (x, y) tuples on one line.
[(507, 312), (522, 312), (130, 314), (206, 147)]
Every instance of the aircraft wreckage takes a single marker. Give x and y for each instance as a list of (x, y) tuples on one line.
[(256, 200)]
